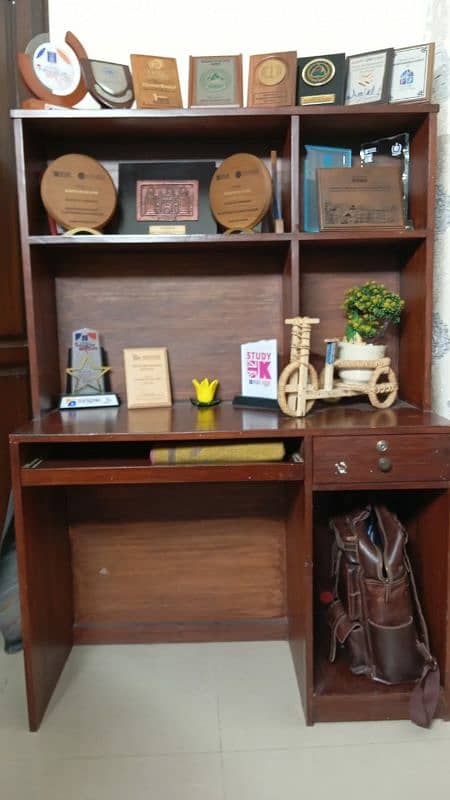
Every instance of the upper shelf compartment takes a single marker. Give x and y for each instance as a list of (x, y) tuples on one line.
[(137, 136)]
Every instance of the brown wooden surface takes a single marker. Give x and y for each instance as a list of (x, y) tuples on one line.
[(177, 554), (45, 578), (19, 21), (185, 422), (159, 558), (413, 458)]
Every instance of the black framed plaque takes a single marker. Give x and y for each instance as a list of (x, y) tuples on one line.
[(321, 79), (369, 77), (165, 197)]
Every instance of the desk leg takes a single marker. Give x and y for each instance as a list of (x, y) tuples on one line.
[(45, 578)]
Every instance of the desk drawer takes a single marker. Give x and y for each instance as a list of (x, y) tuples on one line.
[(380, 459)]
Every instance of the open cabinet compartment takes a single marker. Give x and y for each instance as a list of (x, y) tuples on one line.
[(339, 695)]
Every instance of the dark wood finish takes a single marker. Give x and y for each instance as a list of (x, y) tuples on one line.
[(45, 571), (152, 554), (407, 458), (19, 21)]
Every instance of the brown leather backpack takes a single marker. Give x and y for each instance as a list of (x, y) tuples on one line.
[(376, 614)]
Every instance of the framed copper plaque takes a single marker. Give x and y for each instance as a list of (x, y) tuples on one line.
[(215, 81), (272, 79), (360, 198), (166, 201), (78, 192), (241, 192), (156, 82)]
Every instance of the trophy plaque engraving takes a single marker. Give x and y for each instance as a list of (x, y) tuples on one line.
[(369, 77), (156, 82), (168, 201), (412, 74), (86, 374), (272, 79), (321, 79), (52, 71), (215, 81), (360, 198), (78, 192), (110, 84), (241, 192), (147, 377)]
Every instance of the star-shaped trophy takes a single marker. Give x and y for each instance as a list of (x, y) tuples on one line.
[(86, 374)]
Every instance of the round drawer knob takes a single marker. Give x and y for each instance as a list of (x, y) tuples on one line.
[(385, 464), (382, 446)]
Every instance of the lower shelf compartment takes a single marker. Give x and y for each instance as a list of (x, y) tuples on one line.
[(340, 696), (233, 630)]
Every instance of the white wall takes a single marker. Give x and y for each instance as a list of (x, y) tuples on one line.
[(112, 29)]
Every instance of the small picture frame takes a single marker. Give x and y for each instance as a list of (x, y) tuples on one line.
[(369, 77), (412, 74), (215, 81)]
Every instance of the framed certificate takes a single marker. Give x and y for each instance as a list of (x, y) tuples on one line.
[(369, 77), (147, 377), (215, 81), (412, 74)]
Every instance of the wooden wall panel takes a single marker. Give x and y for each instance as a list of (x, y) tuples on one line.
[(178, 553)]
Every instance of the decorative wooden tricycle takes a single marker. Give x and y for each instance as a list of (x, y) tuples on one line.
[(298, 386)]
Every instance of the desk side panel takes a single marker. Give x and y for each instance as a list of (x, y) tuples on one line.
[(45, 578)]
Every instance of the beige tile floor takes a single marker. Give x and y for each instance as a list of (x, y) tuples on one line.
[(202, 722)]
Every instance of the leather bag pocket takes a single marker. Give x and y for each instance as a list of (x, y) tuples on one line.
[(395, 653)]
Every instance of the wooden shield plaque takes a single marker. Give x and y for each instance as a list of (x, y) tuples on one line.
[(272, 79), (78, 192), (156, 83), (241, 192)]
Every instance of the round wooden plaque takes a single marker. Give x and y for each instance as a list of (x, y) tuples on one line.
[(240, 192), (78, 192)]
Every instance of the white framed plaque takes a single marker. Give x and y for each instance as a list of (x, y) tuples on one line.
[(147, 377), (369, 77), (412, 74)]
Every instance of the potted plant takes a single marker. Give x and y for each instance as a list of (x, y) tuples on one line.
[(369, 309)]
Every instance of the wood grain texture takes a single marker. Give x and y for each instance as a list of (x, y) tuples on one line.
[(45, 579), (412, 458), (163, 554)]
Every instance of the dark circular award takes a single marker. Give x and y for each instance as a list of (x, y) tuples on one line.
[(240, 192), (52, 71), (318, 72), (78, 192)]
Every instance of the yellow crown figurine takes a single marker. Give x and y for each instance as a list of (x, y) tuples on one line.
[(205, 391)]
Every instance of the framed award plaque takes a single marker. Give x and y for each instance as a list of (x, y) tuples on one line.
[(147, 377), (156, 82), (412, 74), (272, 79), (369, 77), (78, 192), (321, 79), (215, 81)]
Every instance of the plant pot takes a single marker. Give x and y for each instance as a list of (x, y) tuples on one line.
[(350, 351)]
